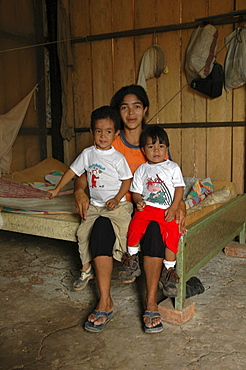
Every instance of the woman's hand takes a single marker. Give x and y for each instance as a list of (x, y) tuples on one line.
[(81, 199), (180, 218), (81, 202)]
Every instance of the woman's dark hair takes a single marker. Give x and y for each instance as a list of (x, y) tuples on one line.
[(105, 112), (155, 132), (137, 90)]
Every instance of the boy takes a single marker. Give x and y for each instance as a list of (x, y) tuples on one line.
[(157, 189), (109, 178)]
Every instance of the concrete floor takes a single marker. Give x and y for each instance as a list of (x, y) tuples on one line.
[(42, 317)]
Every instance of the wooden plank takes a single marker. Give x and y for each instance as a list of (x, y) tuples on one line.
[(124, 63), (102, 73), (239, 133), (169, 84), (79, 15), (100, 17), (123, 48), (82, 71), (16, 82), (145, 13), (145, 16), (240, 5), (220, 109), (193, 104), (239, 140), (63, 228), (141, 45), (101, 53), (122, 15), (82, 91)]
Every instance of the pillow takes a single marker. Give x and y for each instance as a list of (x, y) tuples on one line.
[(198, 192), (189, 182)]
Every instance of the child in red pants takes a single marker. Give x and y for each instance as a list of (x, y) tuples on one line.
[(157, 189)]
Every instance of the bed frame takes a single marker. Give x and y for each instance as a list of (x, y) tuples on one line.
[(205, 238)]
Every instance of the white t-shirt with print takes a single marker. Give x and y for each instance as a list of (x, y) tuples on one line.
[(156, 183), (105, 169)]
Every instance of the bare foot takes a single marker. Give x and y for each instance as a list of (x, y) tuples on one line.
[(155, 320), (105, 307)]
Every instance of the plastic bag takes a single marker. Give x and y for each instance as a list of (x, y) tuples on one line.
[(235, 62)]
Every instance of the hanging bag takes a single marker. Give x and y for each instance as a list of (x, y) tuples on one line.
[(201, 51), (235, 62), (212, 85)]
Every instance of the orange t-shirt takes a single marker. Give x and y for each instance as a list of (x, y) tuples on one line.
[(132, 153)]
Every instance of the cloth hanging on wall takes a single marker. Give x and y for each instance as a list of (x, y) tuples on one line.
[(153, 64), (201, 52), (235, 62), (10, 124)]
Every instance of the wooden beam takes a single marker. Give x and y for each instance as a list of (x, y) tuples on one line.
[(159, 29), (183, 125)]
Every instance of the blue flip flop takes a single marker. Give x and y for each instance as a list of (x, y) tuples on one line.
[(97, 328), (154, 329)]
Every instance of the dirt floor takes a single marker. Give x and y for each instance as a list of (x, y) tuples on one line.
[(42, 318)]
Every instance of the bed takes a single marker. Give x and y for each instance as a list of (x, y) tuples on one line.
[(211, 224)]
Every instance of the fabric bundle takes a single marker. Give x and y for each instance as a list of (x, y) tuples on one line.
[(201, 51), (153, 64), (235, 63)]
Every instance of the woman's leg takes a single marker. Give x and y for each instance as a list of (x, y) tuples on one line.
[(101, 246), (153, 251), (152, 269)]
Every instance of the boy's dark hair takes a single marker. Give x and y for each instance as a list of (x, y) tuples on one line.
[(105, 112), (137, 90), (155, 132)]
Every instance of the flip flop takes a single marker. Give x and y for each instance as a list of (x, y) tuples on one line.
[(97, 328), (154, 329)]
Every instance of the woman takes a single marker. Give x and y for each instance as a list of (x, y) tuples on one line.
[(133, 104)]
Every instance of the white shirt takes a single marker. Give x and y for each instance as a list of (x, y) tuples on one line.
[(105, 170), (156, 183)]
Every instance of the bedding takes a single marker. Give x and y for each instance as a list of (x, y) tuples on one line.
[(47, 174), (14, 194), (198, 192)]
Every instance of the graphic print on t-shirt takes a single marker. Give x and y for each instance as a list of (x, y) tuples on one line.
[(95, 171), (158, 191)]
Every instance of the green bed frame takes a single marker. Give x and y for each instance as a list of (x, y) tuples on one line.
[(207, 237)]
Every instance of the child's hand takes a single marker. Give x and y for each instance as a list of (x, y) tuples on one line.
[(169, 214), (140, 205), (53, 193), (112, 204)]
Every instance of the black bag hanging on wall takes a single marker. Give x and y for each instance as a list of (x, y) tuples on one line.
[(211, 85)]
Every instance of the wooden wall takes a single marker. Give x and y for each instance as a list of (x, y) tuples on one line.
[(102, 67), (21, 69)]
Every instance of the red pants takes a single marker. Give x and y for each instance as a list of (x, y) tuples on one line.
[(141, 219)]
